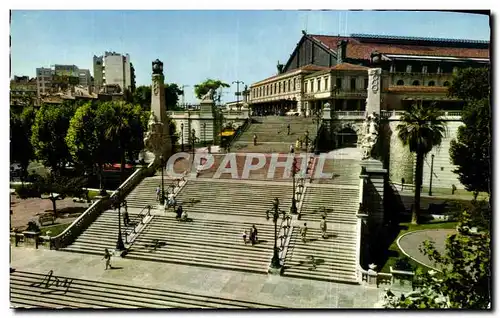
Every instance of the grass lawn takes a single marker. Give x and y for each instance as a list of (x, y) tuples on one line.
[(396, 253), (54, 229)]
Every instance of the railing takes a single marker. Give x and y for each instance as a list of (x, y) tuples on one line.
[(285, 227), (391, 113), (90, 215), (239, 131), (145, 212), (357, 114)]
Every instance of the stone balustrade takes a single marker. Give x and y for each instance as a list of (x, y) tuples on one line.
[(91, 214)]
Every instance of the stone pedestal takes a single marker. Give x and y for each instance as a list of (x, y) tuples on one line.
[(374, 190)]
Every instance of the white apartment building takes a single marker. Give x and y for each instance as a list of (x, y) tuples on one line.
[(113, 68)]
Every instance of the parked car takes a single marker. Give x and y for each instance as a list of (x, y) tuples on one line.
[(292, 113)]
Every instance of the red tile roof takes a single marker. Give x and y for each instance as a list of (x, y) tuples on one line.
[(418, 89), (349, 67), (361, 50), (308, 67)]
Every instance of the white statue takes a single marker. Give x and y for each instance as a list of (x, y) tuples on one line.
[(370, 130), (208, 96)]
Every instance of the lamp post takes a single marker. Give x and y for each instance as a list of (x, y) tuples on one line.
[(162, 199), (204, 135), (432, 172), (318, 120), (182, 136), (193, 139), (275, 262), (293, 209), (306, 134), (117, 204), (238, 93)]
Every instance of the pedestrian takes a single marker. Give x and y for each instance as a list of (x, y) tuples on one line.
[(298, 144), (158, 193), (179, 212), (291, 149), (184, 216), (171, 199), (253, 235), (107, 257), (322, 226), (126, 218), (245, 237), (288, 129), (303, 232), (254, 139)]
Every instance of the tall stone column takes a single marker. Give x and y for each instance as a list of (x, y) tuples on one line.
[(158, 139), (373, 94)]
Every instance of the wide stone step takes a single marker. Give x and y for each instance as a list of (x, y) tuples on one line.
[(96, 294)]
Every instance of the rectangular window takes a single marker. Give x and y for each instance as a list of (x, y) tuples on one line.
[(338, 83), (294, 85), (353, 84), (326, 84), (366, 83), (408, 68), (312, 86), (424, 69), (319, 85), (305, 87)]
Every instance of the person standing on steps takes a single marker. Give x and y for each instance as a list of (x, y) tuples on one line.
[(158, 193), (288, 129), (107, 257), (245, 237), (254, 139), (126, 217), (291, 149), (179, 212), (322, 226), (253, 235), (303, 232)]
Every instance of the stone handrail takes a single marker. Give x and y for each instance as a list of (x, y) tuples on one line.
[(90, 215), (350, 113)]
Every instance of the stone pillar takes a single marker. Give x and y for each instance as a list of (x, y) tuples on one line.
[(299, 106), (373, 94), (158, 139), (374, 190), (308, 108)]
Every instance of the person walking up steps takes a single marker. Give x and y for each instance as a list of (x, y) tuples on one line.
[(158, 193), (303, 232), (288, 129), (107, 257), (322, 226), (244, 237), (254, 139)]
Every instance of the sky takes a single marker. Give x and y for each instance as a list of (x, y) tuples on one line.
[(196, 45)]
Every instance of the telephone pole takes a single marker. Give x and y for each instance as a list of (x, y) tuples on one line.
[(238, 93)]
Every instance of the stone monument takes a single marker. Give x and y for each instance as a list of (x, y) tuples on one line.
[(158, 139), (373, 94)]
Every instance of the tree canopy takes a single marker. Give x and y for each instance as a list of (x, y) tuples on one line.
[(470, 84), (21, 150), (48, 135), (142, 96), (203, 88)]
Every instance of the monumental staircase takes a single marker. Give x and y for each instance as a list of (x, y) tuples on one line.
[(272, 134), (28, 291)]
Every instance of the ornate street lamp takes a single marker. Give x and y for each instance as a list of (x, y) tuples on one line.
[(117, 205), (432, 172), (182, 136), (306, 134), (275, 262), (162, 162), (293, 208)]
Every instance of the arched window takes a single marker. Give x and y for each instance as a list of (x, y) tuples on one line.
[(446, 83), (415, 83), (399, 83), (431, 83)]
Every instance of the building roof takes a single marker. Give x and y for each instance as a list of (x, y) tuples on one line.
[(418, 89), (349, 67), (308, 67), (361, 48)]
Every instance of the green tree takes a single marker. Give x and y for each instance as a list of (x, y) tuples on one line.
[(21, 150), (86, 139), (471, 150), (172, 93), (125, 126), (58, 187), (465, 278), (203, 88), (421, 129), (48, 135), (471, 84), (142, 97)]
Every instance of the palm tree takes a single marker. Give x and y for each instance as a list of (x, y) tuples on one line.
[(421, 129), (118, 130)]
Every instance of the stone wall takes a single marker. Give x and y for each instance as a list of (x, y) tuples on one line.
[(401, 162)]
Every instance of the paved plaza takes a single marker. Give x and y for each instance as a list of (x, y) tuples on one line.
[(256, 288)]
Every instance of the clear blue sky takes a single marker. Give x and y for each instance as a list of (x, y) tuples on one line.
[(195, 45)]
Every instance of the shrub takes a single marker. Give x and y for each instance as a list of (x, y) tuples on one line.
[(27, 191), (403, 264)]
